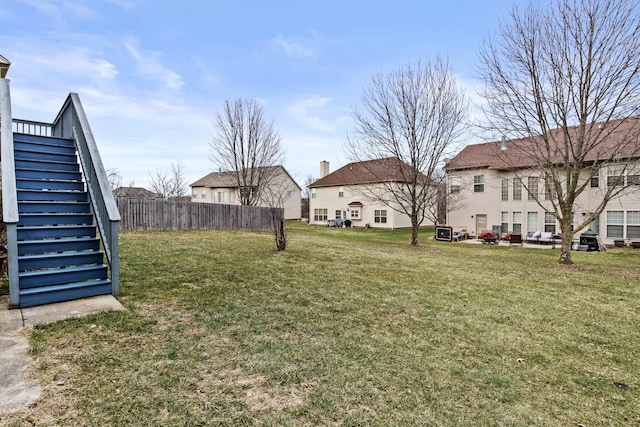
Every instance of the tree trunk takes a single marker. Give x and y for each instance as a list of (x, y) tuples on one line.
[(565, 251), (565, 246), (279, 232), (414, 232)]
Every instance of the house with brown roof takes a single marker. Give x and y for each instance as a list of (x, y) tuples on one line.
[(347, 194), (500, 183), (222, 187), (134, 193)]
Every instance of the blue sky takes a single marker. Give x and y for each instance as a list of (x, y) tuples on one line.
[(152, 73)]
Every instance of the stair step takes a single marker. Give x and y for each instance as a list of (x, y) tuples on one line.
[(60, 276), (45, 140), (48, 174), (34, 262), (47, 165), (44, 147), (54, 195), (55, 232), (42, 219), (65, 292), (41, 156), (49, 184), (53, 207), (37, 247)]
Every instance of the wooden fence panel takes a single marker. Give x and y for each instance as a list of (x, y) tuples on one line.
[(148, 214)]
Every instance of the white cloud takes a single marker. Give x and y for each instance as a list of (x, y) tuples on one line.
[(316, 113), (298, 47), (66, 62), (151, 65), (208, 77), (57, 11)]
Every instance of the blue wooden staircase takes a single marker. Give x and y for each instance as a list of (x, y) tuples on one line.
[(62, 222), (59, 255)]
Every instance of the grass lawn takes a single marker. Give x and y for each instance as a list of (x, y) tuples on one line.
[(348, 327)]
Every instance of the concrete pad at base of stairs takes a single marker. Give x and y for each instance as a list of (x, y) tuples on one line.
[(17, 389), (10, 320), (63, 310)]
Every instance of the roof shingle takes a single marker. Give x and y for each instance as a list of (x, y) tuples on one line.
[(228, 179), (619, 139), (389, 169)]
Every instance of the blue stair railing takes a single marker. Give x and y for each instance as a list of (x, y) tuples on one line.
[(9, 192), (70, 123)]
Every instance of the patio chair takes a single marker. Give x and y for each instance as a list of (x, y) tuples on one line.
[(515, 238)]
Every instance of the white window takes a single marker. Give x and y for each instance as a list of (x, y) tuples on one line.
[(505, 189), (341, 192), (320, 214), (548, 189), (194, 194), (220, 197), (615, 175), (532, 187), (355, 213), (232, 197), (633, 224), (380, 216), (532, 222), (615, 224), (517, 222), (454, 184), (595, 180), (313, 193), (478, 184), (633, 175), (204, 194), (549, 223), (517, 189), (338, 213), (504, 221)]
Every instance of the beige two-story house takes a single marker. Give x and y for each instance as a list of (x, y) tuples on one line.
[(222, 187), (484, 191), (345, 195)]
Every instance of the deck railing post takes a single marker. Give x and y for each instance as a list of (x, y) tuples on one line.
[(9, 192)]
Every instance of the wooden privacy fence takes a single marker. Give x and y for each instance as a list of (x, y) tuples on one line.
[(148, 214)]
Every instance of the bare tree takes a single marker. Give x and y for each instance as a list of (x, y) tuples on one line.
[(114, 177), (562, 81), (413, 114), (307, 183), (305, 195), (247, 145), (437, 212), (179, 180), (274, 196), (169, 185)]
